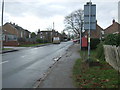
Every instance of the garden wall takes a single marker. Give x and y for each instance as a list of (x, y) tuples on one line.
[(112, 56)]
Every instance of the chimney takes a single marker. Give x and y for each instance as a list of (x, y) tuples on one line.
[(96, 21), (13, 23), (113, 21), (89, 3)]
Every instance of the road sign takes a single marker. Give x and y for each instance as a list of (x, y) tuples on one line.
[(89, 16), (89, 21)]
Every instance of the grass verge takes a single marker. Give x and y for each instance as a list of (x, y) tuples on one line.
[(7, 49), (98, 76), (31, 45)]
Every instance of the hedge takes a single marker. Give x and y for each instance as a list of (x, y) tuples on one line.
[(112, 39), (94, 42)]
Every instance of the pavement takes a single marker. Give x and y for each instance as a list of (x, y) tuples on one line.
[(60, 75)]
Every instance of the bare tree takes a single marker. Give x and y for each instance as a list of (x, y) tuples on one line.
[(74, 21)]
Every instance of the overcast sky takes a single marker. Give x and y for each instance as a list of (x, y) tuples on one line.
[(40, 14)]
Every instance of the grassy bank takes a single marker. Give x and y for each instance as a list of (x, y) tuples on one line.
[(31, 45), (100, 75)]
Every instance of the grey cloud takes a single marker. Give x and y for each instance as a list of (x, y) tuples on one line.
[(46, 10), (41, 10), (15, 8)]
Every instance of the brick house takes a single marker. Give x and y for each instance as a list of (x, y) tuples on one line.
[(48, 35), (13, 34), (22, 33), (112, 29), (8, 28), (96, 33)]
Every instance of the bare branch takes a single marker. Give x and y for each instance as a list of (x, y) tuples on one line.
[(74, 21)]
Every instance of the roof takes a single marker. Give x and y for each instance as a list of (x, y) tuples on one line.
[(112, 25), (16, 26), (95, 33), (115, 27)]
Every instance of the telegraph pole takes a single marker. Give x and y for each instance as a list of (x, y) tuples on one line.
[(2, 23), (1, 43), (53, 25)]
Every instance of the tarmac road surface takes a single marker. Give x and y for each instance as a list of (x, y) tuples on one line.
[(21, 69)]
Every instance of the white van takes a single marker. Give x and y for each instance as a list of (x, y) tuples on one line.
[(56, 40)]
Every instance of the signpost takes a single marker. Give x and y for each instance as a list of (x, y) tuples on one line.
[(89, 21)]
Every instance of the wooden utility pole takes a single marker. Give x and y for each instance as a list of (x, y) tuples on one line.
[(2, 24)]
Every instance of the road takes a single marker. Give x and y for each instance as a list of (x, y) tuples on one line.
[(21, 69)]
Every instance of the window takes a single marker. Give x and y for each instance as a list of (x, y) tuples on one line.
[(12, 37)]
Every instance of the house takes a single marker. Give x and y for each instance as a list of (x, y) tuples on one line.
[(8, 28), (112, 29), (47, 36), (98, 33), (14, 34), (22, 33)]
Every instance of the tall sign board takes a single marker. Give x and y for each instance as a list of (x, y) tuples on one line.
[(90, 16), (89, 21)]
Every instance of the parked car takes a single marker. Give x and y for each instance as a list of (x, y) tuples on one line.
[(76, 40)]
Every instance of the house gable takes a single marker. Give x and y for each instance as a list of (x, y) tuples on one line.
[(95, 33), (10, 29), (114, 28)]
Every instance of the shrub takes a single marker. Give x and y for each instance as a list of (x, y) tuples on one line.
[(100, 52), (21, 40), (113, 39), (39, 40), (94, 42), (118, 40)]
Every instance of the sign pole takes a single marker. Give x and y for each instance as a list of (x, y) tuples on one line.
[(89, 31), (89, 21)]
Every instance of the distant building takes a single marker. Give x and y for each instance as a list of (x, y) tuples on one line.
[(112, 29), (48, 35), (119, 12)]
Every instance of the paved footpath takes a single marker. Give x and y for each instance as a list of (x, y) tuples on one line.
[(61, 74)]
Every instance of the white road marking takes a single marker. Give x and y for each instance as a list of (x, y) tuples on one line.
[(35, 48), (22, 56), (3, 62)]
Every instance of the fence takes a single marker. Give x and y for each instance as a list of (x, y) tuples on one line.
[(112, 56)]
